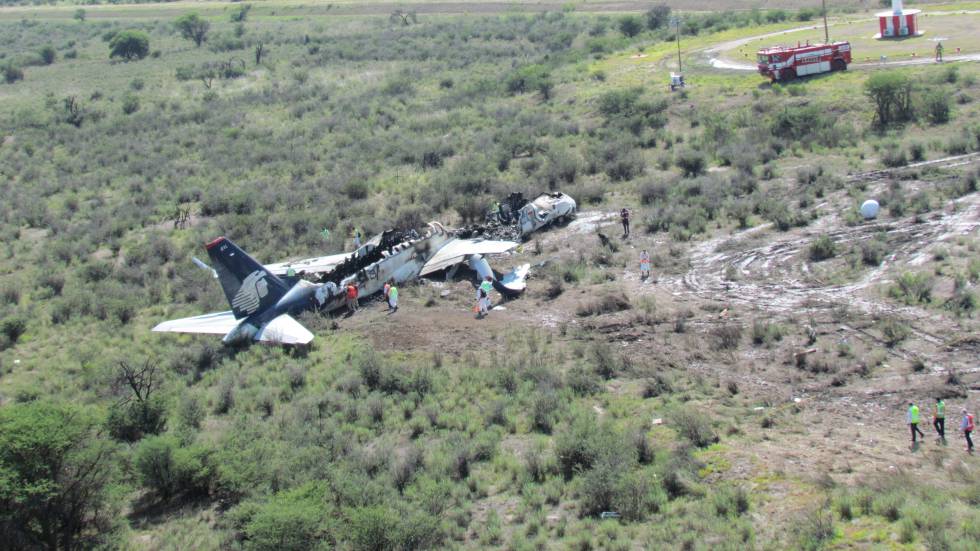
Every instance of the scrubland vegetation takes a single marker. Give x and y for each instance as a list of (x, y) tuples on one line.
[(129, 142)]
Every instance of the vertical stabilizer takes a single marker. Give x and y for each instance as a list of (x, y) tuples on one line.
[(249, 287)]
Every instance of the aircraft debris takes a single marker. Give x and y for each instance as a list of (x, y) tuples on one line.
[(264, 298)]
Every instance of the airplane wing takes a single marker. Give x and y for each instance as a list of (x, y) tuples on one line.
[(309, 265), (218, 323), (457, 251), (284, 330)]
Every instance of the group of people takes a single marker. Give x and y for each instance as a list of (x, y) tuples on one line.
[(352, 292), (939, 423)]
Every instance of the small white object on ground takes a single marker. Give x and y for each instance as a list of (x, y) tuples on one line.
[(499, 308), (869, 209), (658, 421)]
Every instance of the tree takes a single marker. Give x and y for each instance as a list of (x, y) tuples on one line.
[(891, 93), (80, 14), (192, 27), (56, 474), (140, 411), (48, 54), (241, 14), (129, 45), (658, 17), (259, 50), (630, 26)]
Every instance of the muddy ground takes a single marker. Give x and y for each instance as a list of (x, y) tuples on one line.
[(847, 395)]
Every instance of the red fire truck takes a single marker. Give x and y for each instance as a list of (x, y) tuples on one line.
[(787, 63)]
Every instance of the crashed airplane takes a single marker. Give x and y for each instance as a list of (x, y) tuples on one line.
[(263, 299)]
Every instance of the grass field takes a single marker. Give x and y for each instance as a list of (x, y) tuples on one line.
[(751, 397)]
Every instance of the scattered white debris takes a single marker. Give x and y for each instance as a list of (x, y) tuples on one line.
[(759, 408), (658, 421), (797, 400), (499, 308), (445, 293), (16, 362)]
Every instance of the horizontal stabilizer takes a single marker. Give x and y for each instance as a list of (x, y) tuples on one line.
[(284, 330), (514, 283), (218, 323)]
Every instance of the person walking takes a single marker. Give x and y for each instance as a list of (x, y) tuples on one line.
[(624, 216), (486, 286), (939, 419), (352, 297), (912, 419), (966, 427), (386, 290), (644, 264), (357, 238), (939, 52), (392, 297)]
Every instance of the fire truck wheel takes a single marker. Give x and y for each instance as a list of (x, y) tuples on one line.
[(838, 65)]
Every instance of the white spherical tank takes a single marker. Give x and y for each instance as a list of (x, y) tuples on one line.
[(869, 209)]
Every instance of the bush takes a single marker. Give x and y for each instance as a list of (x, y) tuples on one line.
[(727, 336), (937, 107), (894, 156), (290, 520), (129, 45), (691, 162), (12, 73), (630, 26), (730, 501), (695, 427), (170, 470), (130, 104), (822, 248), (912, 288), (48, 54), (609, 302), (893, 331), (131, 420)]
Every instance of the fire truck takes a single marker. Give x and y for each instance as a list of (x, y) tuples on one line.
[(786, 63)]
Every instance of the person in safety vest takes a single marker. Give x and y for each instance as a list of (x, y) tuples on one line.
[(966, 425), (644, 265), (939, 419), (912, 418), (483, 295), (352, 297), (392, 297)]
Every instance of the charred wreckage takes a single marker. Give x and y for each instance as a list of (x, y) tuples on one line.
[(264, 298)]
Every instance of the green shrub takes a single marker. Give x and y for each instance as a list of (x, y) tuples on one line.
[(291, 520), (912, 288), (691, 162), (130, 421), (730, 501), (816, 530), (11, 73), (727, 336), (822, 248), (937, 107), (129, 45), (48, 54), (169, 469), (695, 426)]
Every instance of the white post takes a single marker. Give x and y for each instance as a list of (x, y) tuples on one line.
[(897, 7)]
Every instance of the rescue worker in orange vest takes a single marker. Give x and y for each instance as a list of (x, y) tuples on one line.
[(966, 426), (912, 419), (352, 297)]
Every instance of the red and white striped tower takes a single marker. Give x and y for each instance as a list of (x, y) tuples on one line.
[(899, 22)]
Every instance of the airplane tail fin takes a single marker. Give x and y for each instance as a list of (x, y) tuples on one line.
[(249, 287)]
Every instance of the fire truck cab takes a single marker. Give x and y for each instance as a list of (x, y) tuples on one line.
[(786, 63)]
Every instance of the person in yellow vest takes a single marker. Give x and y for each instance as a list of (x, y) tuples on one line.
[(392, 298), (939, 419), (912, 419)]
